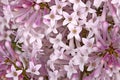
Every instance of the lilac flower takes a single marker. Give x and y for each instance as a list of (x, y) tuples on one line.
[(53, 17), (14, 73), (70, 18), (59, 6), (59, 39), (33, 69), (74, 32), (57, 42), (70, 70), (79, 59)]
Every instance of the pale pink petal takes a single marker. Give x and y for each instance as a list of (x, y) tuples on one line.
[(15, 78), (19, 72), (57, 17), (32, 39), (47, 16), (70, 36), (82, 4), (77, 37), (38, 66), (65, 22), (9, 75), (84, 40), (31, 64), (52, 23), (37, 73), (13, 68), (65, 14)]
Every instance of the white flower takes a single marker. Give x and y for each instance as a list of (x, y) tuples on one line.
[(94, 63), (14, 73), (51, 29), (88, 8), (33, 68), (80, 60), (53, 17), (57, 42), (74, 32), (58, 54), (70, 18), (59, 5), (36, 37), (88, 42), (77, 4), (70, 70)]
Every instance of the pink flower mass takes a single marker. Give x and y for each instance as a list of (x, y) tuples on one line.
[(59, 39)]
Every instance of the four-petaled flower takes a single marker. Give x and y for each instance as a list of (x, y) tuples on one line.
[(34, 69), (72, 18), (79, 59), (14, 73), (59, 6), (53, 17), (70, 70), (89, 44), (74, 32), (57, 42)]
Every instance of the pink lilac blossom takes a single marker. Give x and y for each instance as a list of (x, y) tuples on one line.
[(59, 40)]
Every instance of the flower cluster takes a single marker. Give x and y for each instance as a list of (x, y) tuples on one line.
[(59, 40)]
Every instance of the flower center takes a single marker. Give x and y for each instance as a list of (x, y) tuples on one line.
[(14, 73), (52, 16), (59, 7), (33, 70), (70, 19), (74, 31)]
